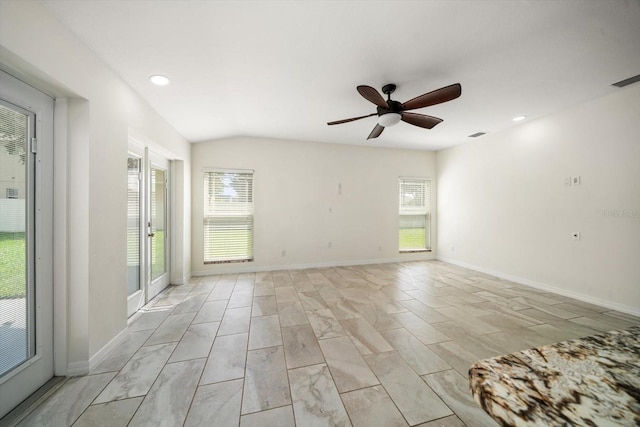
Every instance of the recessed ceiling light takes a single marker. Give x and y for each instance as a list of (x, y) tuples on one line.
[(159, 80), (519, 118), (477, 134)]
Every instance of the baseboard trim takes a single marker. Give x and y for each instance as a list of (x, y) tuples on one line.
[(183, 280), (248, 268), (103, 353), (75, 369), (634, 311)]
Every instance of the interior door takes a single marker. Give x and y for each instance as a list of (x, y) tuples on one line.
[(26, 239)]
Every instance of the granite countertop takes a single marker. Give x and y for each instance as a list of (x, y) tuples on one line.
[(592, 381)]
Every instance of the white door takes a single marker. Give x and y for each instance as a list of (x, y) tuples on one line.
[(147, 226), (157, 224), (26, 241), (136, 289)]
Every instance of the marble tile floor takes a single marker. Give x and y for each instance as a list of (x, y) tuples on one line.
[(376, 345)]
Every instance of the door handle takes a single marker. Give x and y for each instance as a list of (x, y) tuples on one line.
[(151, 234)]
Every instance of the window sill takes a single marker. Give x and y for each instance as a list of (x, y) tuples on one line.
[(413, 251), (229, 261)]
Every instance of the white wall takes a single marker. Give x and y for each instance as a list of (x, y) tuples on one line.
[(503, 206), (295, 185), (102, 113)]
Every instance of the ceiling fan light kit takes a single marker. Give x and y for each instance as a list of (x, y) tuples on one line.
[(391, 112), (389, 119)]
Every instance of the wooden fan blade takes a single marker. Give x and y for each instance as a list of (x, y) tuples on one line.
[(435, 97), (337, 122), (376, 132), (372, 95), (420, 120)]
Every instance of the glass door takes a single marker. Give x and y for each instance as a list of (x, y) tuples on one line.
[(157, 224), (148, 222), (26, 238), (135, 289), (16, 260)]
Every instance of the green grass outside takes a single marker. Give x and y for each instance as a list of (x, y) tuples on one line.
[(13, 265), (217, 249), (412, 238)]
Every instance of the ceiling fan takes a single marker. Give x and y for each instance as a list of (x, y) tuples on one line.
[(390, 112)]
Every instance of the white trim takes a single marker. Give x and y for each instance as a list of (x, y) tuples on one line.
[(223, 170), (175, 258), (245, 268), (183, 280), (103, 353), (634, 311), (76, 369), (134, 302), (60, 243), (135, 316), (18, 369), (424, 178)]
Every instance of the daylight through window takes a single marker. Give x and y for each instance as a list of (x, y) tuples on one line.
[(228, 216), (415, 215)]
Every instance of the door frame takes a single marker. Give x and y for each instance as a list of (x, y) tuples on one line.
[(138, 299), (155, 286), (150, 288), (26, 378)]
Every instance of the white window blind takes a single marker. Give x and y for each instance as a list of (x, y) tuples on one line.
[(133, 224), (228, 216), (414, 214)]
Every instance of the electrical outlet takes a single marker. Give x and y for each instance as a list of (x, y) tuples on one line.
[(575, 180), (329, 244)]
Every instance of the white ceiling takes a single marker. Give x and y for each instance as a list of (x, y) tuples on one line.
[(282, 69)]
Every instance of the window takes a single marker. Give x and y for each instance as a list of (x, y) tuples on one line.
[(415, 215), (228, 216)]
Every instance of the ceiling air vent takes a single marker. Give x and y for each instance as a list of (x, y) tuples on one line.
[(477, 134), (627, 82)]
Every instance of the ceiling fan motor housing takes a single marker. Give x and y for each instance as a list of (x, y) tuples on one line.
[(394, 107)]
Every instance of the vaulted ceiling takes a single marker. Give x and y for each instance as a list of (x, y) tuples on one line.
[(283, 69)]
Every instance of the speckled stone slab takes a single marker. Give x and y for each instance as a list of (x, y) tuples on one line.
[(593, 381)]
